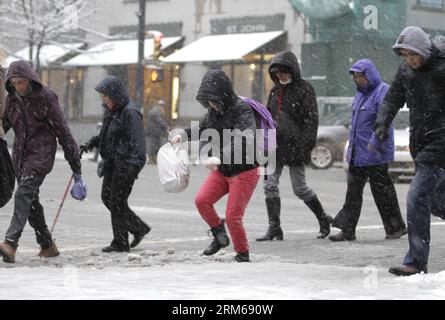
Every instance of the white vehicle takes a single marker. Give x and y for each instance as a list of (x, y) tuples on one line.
[(402, 169)]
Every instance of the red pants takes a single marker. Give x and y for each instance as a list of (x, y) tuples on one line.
[(240, 189)]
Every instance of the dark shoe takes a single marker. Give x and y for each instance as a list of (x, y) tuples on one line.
[(325, 226), (404, 270), (114, 248), (324, 220), (242, 257), (49, 252), (220, 239), (8, 252), (342, 236), (139, 236), (271, 234), (396, 235)]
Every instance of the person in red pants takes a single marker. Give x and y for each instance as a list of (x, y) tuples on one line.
[(234, 169)]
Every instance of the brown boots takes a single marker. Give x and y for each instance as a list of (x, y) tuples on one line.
[(8, 252), (49, 252)]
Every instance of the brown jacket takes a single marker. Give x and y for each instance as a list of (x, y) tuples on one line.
[(2, 100), (38, 124)]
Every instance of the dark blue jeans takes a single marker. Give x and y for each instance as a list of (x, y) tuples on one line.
[(424, 198)]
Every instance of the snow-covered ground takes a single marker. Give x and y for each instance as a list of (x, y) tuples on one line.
[(168, 264)]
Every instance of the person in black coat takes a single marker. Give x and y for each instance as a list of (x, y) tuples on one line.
[(420, 83), (293, 105), (233, 165), (121, 144), (157, 130)]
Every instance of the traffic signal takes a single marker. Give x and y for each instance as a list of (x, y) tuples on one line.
[(157, 46), (156, 74)]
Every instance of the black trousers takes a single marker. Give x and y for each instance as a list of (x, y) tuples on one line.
[(384, 194), (116, 189), (28, 208)]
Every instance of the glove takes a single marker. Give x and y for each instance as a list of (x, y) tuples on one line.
[(79, 190), (381, 132), (85, 148)]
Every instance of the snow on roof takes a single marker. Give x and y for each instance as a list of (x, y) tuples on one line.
[(48, 54), (225, 47), (117, 52)]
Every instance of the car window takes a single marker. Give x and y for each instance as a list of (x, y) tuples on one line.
[(336, 115)]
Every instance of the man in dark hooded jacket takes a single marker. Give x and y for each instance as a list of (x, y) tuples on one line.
[(420, 83), (121, 144), (33, 112), (293, 105)]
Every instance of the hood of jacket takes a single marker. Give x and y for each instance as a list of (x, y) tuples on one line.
[(113, 87), (285, 60), (21, 69), (368, 68), (414, 39), (216, 86)]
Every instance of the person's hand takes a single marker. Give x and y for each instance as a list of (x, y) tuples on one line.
[(176, 139), (84, 148), (211, 163), (79, 190), (381, 132), (372, 148)]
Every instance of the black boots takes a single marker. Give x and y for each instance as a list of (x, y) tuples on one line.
[(273, 212), (139, 236), (220, 239), (342, 236), (324, 220), (242, 257)]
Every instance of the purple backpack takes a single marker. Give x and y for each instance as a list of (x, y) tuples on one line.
[(267, 123)]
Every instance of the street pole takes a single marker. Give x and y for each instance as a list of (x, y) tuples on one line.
[(140, 64)]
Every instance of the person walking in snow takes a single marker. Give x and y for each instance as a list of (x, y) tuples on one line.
[(33, 112), (293, 105), (157, 130), (368, 158), (420, 83), (121, 144), (2, 100), (226, 111)]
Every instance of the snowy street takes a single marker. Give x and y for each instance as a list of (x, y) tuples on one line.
[(168, 263)]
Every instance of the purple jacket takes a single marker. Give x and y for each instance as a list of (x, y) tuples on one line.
[(365, 108), (38, 124)]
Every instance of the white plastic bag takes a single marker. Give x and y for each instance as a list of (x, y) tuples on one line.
[(173, 170)]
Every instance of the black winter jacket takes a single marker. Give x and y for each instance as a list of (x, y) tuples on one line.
[(423, 91), (235, 114), (121, 140), (296, 116)]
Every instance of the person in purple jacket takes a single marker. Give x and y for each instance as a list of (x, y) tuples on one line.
[(368, 158)]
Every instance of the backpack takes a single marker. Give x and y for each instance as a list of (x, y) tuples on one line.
[(266, 123), (7, 177)]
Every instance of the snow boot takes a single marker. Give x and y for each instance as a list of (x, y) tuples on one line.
[(8, 252), (324, 220), (220, 239), (139, 236), (242, 257), (273, 206), (342, 236), (114, 248), (49, 252)]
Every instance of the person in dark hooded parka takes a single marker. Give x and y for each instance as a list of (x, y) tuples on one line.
[(226, 111), (420, 83), (293, 105), (33, 112), (121, 144), (368, 158)]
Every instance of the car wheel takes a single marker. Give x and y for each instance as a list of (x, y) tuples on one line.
[(322, 156)]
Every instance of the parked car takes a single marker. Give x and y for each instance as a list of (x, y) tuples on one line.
[(402, 168), (333, 130)]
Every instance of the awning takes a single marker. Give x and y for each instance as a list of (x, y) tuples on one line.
[(226, 47), (48, 53), (117, 52)]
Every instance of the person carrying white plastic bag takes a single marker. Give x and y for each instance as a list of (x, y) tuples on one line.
[(173, 170)]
